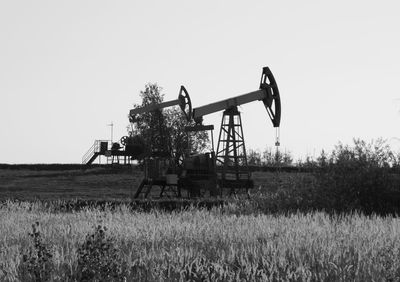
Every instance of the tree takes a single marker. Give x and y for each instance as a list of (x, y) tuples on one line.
[(287, 158), (163, 131), (270, 158), (360, 176), (182, 142), (322, 160), (254, 157)]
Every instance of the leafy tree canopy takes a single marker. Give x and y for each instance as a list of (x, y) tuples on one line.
[(163, 130)]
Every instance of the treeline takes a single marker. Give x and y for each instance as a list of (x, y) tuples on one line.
[(269, 158), (374, 151), (364, 176)]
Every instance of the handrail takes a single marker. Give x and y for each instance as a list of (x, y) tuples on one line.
[(88, 154), (95, 148)]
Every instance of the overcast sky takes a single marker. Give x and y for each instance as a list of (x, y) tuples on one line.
[(69, 68)]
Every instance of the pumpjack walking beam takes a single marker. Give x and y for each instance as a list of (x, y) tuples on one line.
[(268, 93), (183, 102)]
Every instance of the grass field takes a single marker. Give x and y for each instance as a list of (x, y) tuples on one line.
[(100, 183), (90, 184), (210, 245), (262, 239)]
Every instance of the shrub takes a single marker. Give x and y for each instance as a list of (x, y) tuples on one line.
[(98, 258), (360, 177), (36, 263)]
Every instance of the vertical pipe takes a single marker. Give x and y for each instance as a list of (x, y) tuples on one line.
[(232, 130), (244, 147), (219, 138), (212, 140)]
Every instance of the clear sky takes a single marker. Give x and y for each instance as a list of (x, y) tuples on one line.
[(69, 68)]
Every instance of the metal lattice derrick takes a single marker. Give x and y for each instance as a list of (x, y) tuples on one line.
[(231, 151)]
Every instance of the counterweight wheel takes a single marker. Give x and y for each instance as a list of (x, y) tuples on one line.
[(124, 140), (185, 103)]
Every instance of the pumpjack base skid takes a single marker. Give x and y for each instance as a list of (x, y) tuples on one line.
[(198, 186), (166, 189), (195, 187)]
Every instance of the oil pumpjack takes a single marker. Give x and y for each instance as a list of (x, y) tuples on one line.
[(230, 160), (213, 171)]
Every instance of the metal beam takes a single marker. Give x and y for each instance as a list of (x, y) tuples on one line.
[(153, 107), (228, 103), (199, 127)]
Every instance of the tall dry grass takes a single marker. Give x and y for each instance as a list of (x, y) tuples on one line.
[(214, 245)]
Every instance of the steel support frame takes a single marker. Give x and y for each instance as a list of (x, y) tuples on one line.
[(231, 155)]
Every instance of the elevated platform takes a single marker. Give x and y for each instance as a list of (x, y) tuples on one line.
[(104, 148)]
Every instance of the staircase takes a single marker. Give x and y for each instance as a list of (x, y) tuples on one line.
[(94, 151)]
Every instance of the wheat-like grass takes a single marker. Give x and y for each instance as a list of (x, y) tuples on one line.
[(213, 245)]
